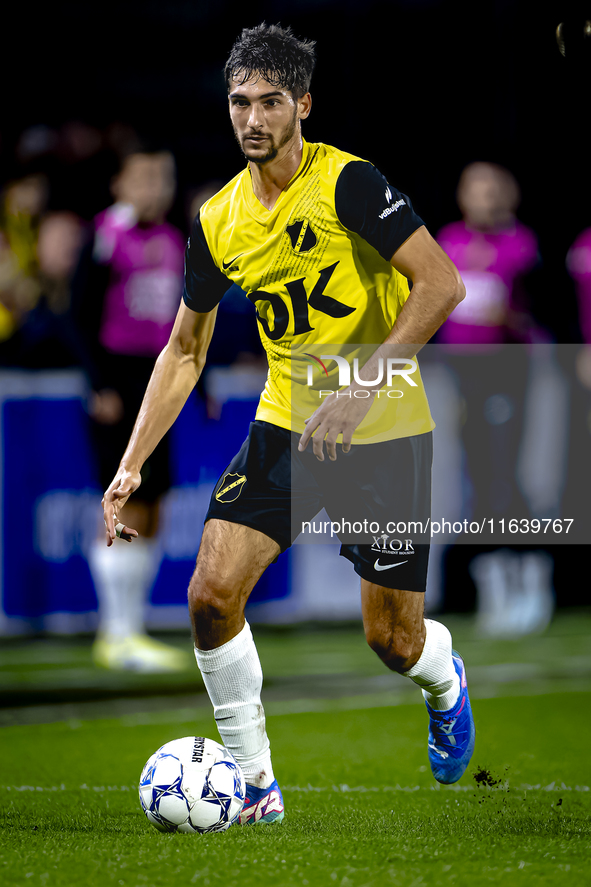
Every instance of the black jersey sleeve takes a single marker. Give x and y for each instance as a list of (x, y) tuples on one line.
[(205, 284), (366, 204)]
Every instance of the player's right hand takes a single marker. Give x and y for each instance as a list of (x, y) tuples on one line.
[(124, 484)]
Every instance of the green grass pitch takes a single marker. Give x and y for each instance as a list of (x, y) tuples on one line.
[(361, 805)]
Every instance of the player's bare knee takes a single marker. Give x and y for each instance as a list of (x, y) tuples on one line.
[(396, 648), (208, 602)]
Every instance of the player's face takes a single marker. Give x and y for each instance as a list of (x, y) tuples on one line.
[(266, 119)]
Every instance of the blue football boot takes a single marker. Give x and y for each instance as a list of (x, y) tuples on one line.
[(262, 805), (452, 733)]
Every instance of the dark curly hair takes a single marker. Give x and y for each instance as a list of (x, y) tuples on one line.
[(274, 53)]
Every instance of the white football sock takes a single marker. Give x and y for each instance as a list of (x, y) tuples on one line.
[(435, 671), (122, 576), (233, 678)]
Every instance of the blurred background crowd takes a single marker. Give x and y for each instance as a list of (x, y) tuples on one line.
[(104, 164)]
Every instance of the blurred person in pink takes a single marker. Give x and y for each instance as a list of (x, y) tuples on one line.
[(578, 263), (483, 380), (493, 251), (128, 289)]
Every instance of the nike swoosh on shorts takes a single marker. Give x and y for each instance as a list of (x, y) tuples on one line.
[(378, 566)]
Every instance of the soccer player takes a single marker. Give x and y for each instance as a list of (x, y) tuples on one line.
[(323, 246)]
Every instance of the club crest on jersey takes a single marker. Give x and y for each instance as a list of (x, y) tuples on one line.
[(302, 236), (230, 487)]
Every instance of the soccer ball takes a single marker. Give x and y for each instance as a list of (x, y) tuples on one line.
[(192, 785)]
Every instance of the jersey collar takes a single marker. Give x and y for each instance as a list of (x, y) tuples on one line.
[(255, 206)]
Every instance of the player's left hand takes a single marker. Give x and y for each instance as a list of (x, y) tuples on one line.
[(334, 416), (121, 488)]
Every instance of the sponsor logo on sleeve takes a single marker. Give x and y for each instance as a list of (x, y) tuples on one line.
[(392, 209)]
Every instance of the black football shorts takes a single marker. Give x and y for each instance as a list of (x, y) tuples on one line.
[(377, 498)]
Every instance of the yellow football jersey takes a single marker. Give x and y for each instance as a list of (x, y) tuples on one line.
[(317, 268)]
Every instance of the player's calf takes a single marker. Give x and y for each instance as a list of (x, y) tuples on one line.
[(397, 649), (394, 624)]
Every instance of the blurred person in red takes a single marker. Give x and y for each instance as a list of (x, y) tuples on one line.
[(494, 253), (126, 295)]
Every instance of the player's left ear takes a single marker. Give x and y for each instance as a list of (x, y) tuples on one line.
[(304, 105)]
